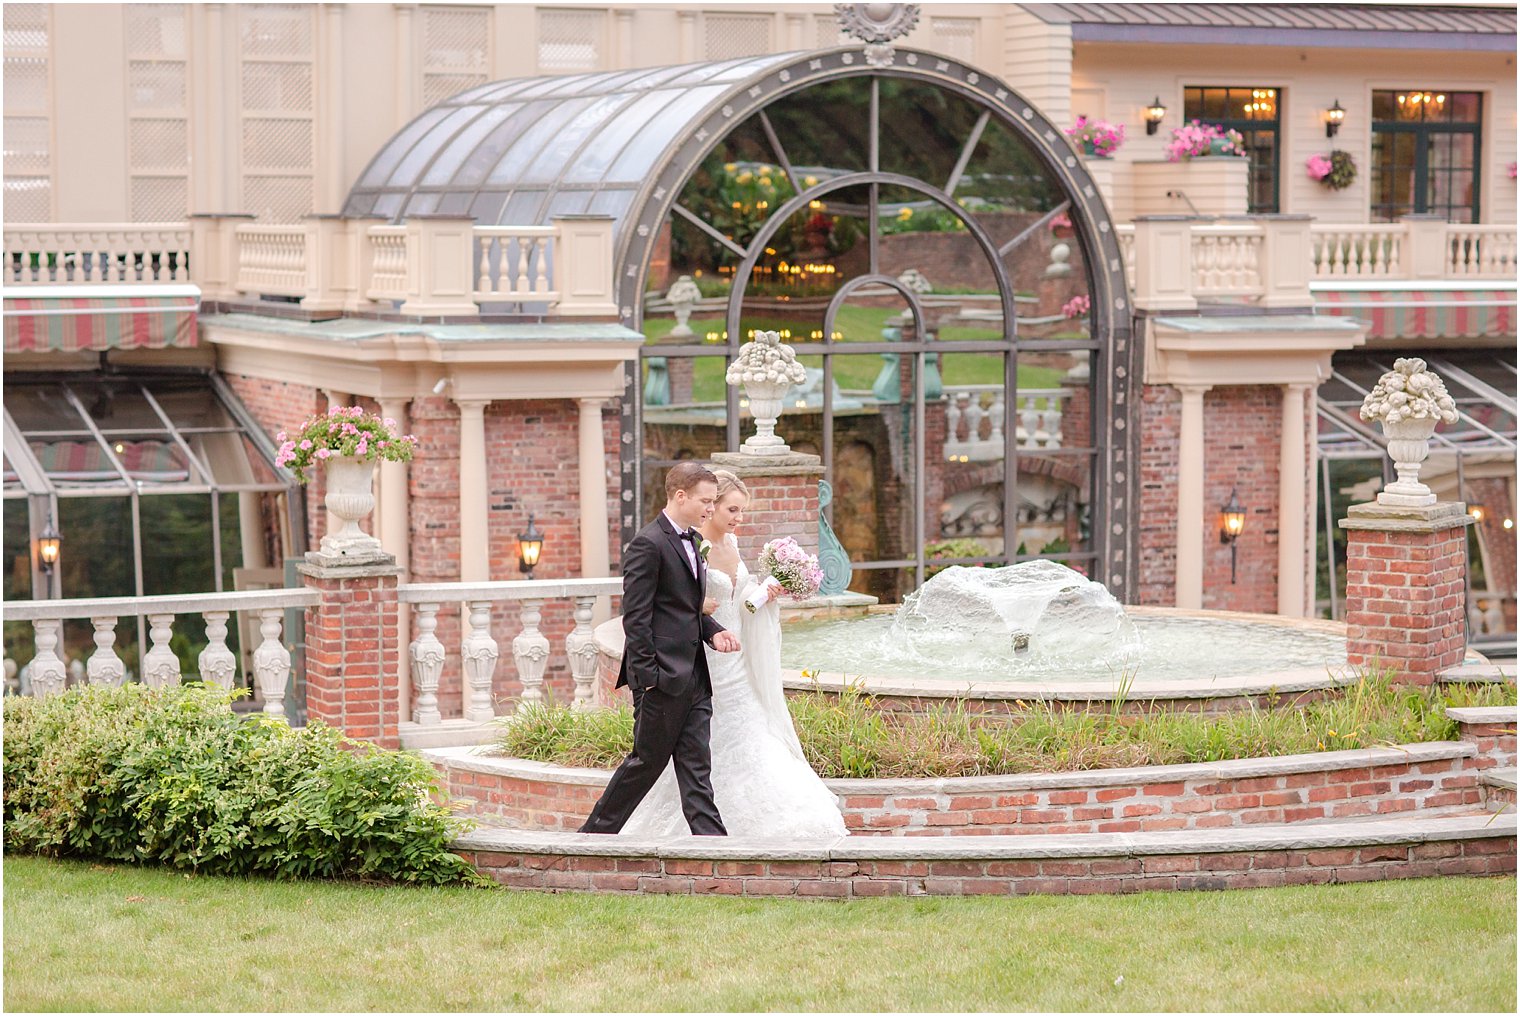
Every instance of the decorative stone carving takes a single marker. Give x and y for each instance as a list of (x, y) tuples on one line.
[(350, 497), (531, 652), (105, 667), (1408, 401), (160, 667), (580, 646), (877, 25), (683, 296), (832, 556), (480, 653), (217, 664), (914, 280), (427, 665), (271, 662), (766, 367), (47, 672)]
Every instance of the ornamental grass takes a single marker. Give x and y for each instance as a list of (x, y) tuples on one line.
[(850, 735)]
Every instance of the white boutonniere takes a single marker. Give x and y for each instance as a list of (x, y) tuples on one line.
[(704, 547)]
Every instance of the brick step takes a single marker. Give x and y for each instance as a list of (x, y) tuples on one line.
[(1267, 855), (1499, 789)]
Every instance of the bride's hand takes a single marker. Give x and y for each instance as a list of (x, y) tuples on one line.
[(709, 606), (726, 642)]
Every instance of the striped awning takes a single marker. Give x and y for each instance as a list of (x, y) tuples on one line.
[(67, 319), (1477, 312)]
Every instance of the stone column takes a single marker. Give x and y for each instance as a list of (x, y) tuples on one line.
[(596, 525), (1190, 473), (396, 537), (783, 498), (1292, 507), (474, 527), (353, 651), (1405, 588)]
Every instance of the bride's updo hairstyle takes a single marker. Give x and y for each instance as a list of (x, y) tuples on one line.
[(728, 482)]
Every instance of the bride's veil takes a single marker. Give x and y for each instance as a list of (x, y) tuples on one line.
[(760, 635)]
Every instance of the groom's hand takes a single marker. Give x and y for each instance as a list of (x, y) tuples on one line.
[(725, 642)]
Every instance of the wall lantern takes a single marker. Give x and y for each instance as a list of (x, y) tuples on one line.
[(49, 546), (1232, 522), (529, 545), (1154, 113), (1334, 117), (1477, 513), (1509, 523)]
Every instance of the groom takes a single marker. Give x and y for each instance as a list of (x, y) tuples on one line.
[(664, 575)]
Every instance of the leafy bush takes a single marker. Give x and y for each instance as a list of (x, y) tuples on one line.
[(174, 777), (850, 735)]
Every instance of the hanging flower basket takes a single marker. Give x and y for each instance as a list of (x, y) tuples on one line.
[(1336, 171), (1097, 138)]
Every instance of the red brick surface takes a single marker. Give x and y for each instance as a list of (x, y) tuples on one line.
[(1406, 601)]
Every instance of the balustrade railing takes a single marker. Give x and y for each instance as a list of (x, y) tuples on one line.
[(271, 259), (96, 253), (1226, 260), (480, 650), (515, 263), (159, 665), (387, 263), (1480, 252), (975, 417), (1358, 251)]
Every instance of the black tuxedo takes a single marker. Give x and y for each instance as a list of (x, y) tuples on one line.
[(666, 668)]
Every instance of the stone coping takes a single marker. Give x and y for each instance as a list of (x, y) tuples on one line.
[(1484, 714), (1498, 777), (512, 589), (1301, 836), (194, 603), (1478, 671), (474, 760)]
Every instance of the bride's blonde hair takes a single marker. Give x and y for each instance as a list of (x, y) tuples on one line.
[(728, 482)]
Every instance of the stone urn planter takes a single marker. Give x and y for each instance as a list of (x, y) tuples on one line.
[(1408, 402), (765, 406), (1408, 446), (350, 497), (766, 368)]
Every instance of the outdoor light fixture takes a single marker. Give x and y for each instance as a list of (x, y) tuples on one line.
[(1232, 522), (49, 546), (529, 545), (1509, 523), (1153, 115), (1476, 511), (1334, 116)]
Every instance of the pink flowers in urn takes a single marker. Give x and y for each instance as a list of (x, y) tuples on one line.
[(1198, 139), (343, 431), (1097, 137), (1077, 306)]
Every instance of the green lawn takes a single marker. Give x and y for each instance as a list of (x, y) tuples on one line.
[(85, 937)]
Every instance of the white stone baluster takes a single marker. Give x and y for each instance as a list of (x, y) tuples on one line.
[(997, 413), (520, 284), (531, 651), (427, 665), (160, 665), (47, 671), (953, 412), (480, 652), (271, 662), (1050, 421), (483, 274), (541, 280), (974, 415), (105, 667), (580, 646), (1029, 422), (216, 663)]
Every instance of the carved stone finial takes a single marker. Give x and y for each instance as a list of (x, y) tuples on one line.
[(877, 25)]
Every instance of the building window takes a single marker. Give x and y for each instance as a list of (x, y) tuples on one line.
[(278, 111), (1252, 110), (726, 36), (158, 125), (569, 41), (1425, 154), (456, 53)]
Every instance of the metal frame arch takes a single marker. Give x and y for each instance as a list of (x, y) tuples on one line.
[(1117, 358)]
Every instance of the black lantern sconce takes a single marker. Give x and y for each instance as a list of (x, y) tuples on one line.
[(1334, 117), (1154, 114), (530, 544), (49, 549), (1232, 522)]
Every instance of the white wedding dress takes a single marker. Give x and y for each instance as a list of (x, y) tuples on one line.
[(761, 781)]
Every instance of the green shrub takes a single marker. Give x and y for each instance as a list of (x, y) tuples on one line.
[(174, 777), (849, 735)]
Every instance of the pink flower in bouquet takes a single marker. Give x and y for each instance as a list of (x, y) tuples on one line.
[(1318, 167), (795, 569)]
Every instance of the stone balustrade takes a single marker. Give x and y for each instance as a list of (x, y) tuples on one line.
[(431, 265), (479, 649), (160, 667), (976, 415), (1173, 261), (96, 253)]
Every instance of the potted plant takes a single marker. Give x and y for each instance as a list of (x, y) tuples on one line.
[(1336, 170), (347, 441), (1195, 140), (1097, 138)]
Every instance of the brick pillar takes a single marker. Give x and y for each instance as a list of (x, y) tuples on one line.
[(353, 649), (783, 498), (681, 369), (1405, 577)]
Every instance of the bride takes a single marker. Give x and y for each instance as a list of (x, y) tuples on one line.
[(761, 782)]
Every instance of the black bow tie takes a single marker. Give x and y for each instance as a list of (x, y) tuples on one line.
[(690, 534)]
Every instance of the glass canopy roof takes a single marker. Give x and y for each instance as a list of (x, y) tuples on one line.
[(524, 151)]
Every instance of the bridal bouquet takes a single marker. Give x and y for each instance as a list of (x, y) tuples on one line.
[(795, 569)]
